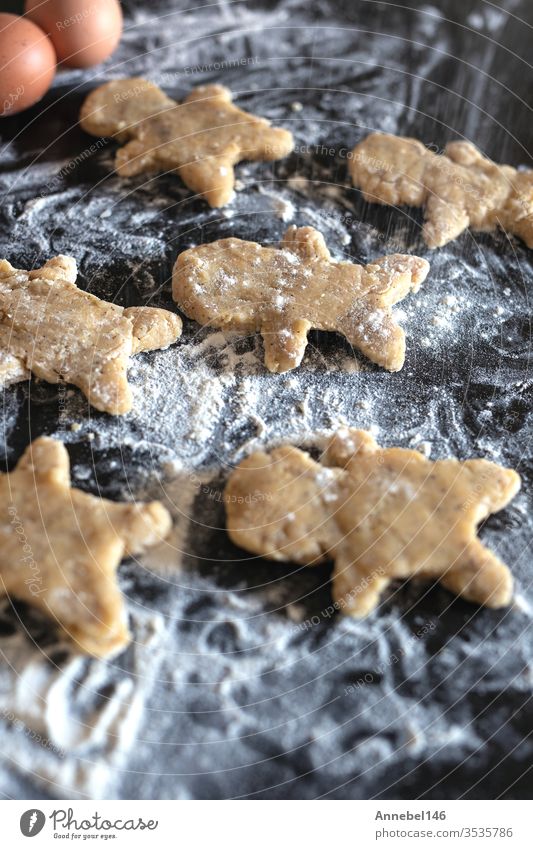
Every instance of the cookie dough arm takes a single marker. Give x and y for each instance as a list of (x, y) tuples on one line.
[(284, 344), (211, 94), (59, 267), (480, 577), (346, 444), (493, 485), (140, 526), (467, 154), (153, 328), (264, 142), (390, 278), (48, 459), (306, 242)]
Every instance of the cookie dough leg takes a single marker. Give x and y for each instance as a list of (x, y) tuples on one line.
[(374, 331), (444, 221), (12, 370), (108, 391), (212, 177), (284, 346), (134, 158), (356, 591), (480, 577), (99, 637), (378, 337), (92, 614)]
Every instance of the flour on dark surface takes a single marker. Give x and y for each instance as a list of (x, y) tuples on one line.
[(240, 681)]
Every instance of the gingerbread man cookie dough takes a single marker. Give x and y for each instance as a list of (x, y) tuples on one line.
[(60, 547), (378, 513), (200, 139), (284, 292), (59, 333), (458, 189)]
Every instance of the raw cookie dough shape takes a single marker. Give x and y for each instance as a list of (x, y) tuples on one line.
[(284, 292), (200, 139), (458, 189), (60, 547), (51, 328), (378, 513)]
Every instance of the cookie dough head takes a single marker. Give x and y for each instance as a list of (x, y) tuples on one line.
[(284, 292), (274, 504), (517, 213), (56, 331), (458, 189), (378, 513), (115, 108), (60, 547), (201, 139), (390, 170)]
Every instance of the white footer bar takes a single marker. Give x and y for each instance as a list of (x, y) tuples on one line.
[(267, 824)]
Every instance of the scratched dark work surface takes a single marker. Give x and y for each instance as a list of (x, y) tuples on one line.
[(238, 681)]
